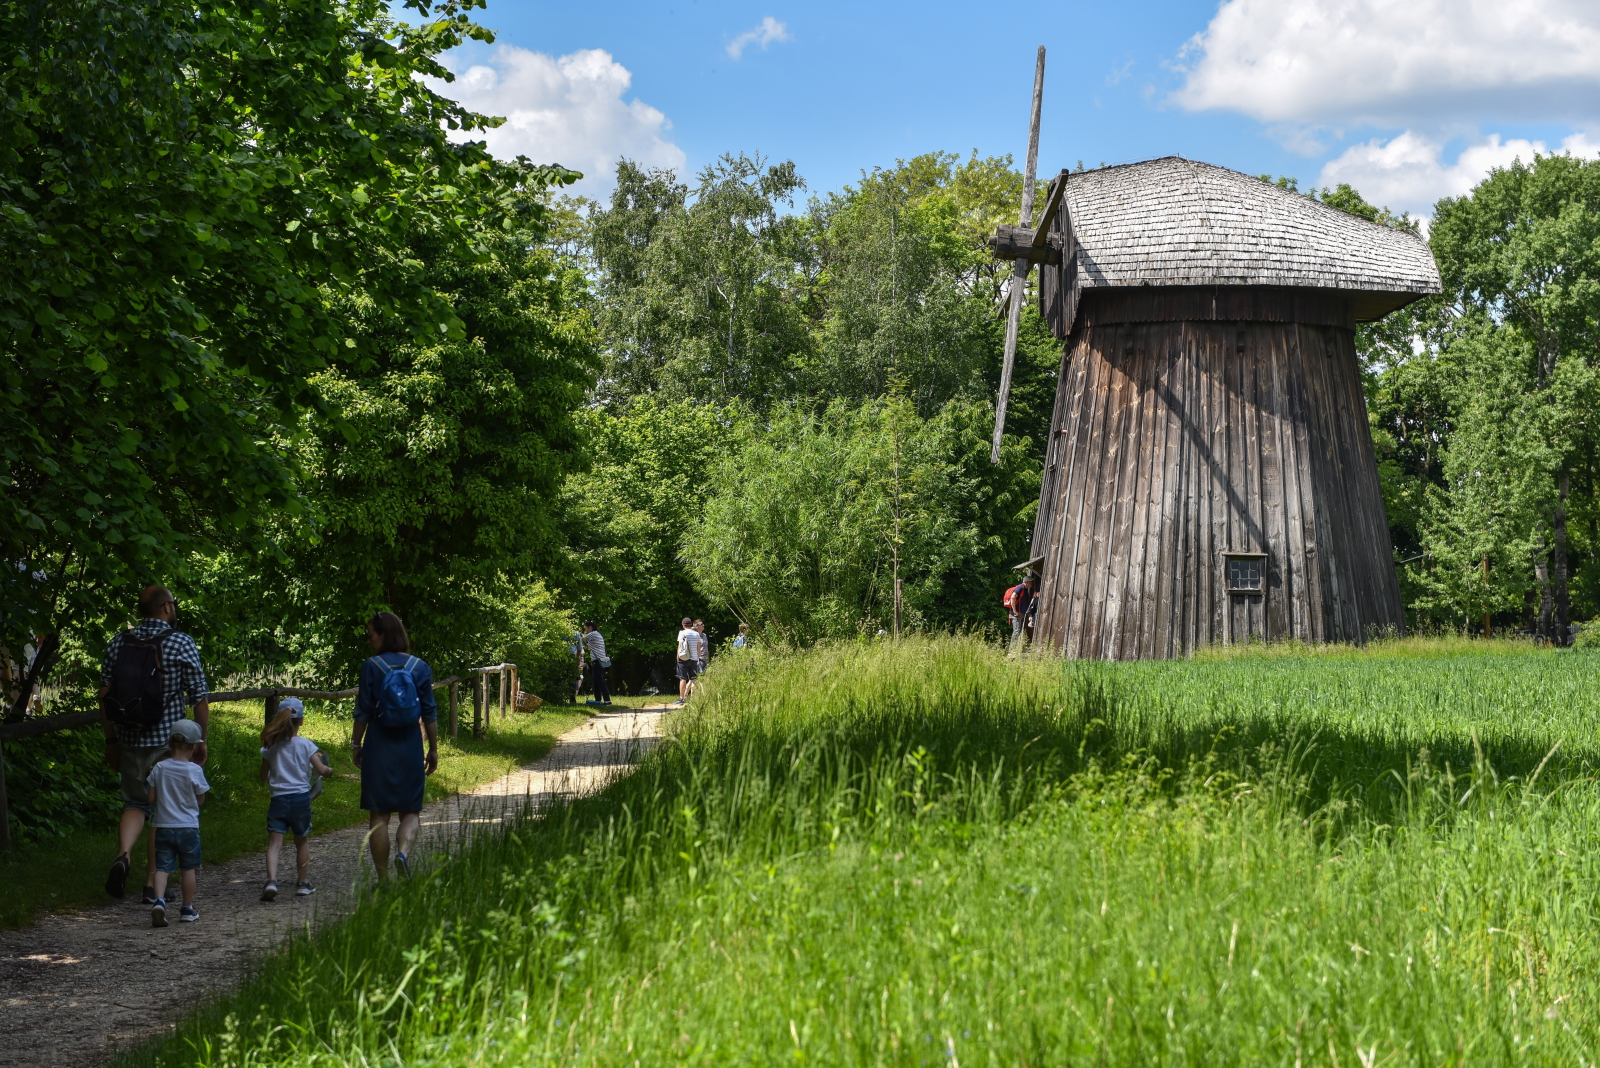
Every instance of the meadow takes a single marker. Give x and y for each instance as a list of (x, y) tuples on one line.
[(926, 853), (69, 871)]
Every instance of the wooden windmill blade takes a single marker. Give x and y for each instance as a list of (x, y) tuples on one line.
[(1019, 268)]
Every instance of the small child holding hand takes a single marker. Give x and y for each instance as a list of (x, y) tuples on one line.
[(177, 788), (287, 764)]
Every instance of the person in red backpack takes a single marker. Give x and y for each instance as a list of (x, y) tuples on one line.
[(1020, 602), (150, 675)]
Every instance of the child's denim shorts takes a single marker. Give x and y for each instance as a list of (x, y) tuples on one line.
[(290, 814), (177, 849)]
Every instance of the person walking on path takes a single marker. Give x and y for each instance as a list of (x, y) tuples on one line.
[(288, 763), (688, 659), (394, 709), (150, 673), (1021, 604), (705, 646), (177, 789), (595, 643), (742, 640)]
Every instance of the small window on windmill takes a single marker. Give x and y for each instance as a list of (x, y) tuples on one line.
[(1246, 572)]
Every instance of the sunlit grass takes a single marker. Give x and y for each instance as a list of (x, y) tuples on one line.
[(927, 854)]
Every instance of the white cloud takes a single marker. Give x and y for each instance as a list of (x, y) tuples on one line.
[(770, 30), (1396, 62), (568, 110), (1409, 173)]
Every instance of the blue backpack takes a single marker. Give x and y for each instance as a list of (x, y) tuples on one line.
[(398, 705)]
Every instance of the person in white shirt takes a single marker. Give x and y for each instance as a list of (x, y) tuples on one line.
[(288, 763), (177, 787), (689, 641)]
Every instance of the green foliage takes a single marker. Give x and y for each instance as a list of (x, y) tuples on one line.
[(879, 853), (812, 515), (183, 188), (895, 293), (700, 298), (431, 473), (58, 783), (434, 484), (626, 518), (540, 633), (1484, 401)]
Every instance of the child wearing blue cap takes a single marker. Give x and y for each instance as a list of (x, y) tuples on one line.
[(288, 763)]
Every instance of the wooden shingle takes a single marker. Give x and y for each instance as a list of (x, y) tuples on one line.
[(1179, 222)]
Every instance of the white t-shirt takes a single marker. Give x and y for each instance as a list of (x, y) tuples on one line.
[(689, 644), (289, 765), (178, 785)]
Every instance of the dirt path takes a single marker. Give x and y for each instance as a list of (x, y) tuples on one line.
[(76, 987)]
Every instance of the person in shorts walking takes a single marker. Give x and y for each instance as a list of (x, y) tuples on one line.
[(137, 733), (177, 789), (688, 659), (288, 763)]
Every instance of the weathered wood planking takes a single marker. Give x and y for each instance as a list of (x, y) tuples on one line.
[(1176, 441)]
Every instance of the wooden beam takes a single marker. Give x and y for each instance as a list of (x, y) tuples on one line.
[(30, 728), (1042, 228), (1019, 270)]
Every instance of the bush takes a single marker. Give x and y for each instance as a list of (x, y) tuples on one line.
[(59, 783)]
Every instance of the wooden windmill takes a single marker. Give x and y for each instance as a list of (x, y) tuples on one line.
[(1210, 476)]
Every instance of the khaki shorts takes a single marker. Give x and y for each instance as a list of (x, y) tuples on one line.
[(133, 764)]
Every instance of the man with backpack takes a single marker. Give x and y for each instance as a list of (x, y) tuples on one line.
[(151, 672), (1019, 602)]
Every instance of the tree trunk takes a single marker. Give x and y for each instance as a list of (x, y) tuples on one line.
[(1562, 632), (43, 660), (1541, 573)]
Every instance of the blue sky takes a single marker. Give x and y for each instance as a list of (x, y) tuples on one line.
[(1408, 100)]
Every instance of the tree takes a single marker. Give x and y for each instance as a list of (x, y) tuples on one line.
[(809, 519), (625, 519), (188, 195), (432, 480), (1523, 249), (700, 296)]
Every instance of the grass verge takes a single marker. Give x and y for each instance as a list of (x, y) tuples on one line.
[(69, 872), (926, 854)]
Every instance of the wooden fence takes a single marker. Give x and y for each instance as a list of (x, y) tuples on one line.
[(507, 677)]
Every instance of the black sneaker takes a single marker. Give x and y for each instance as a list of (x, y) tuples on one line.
[(269, 891), (158, 913), (187, 914), (117, 881), (304, 889), (149, 896)]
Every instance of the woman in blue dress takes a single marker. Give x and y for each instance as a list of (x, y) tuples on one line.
[(393, 766)]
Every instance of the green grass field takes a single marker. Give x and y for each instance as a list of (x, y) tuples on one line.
[(927, 854), (68, 872)]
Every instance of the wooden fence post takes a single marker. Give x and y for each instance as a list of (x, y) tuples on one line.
[(272, 707), (455, 715), (478, 687)]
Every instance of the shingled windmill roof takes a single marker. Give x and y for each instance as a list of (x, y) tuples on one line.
[(1178, 222)]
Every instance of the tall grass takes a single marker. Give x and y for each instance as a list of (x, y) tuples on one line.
[(925, 853)]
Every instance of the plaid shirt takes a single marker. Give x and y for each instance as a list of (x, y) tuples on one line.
[(182, 676)]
